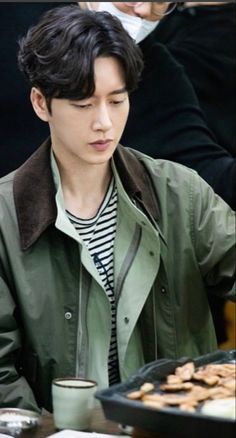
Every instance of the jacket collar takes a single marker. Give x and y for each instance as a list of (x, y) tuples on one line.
[(34, 190), (136, 181)]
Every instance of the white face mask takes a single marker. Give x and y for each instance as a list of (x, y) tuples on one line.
[(137, 27)]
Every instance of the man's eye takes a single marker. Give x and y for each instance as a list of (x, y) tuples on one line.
[(117, 102), (82, 106)]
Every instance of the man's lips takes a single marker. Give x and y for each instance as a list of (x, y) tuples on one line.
[(101, 145)]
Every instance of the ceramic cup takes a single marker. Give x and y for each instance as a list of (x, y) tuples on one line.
[(73, 400)]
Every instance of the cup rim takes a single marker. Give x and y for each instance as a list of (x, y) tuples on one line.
[(91, 383)]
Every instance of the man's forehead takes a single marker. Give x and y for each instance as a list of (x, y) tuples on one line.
[(108, 73)]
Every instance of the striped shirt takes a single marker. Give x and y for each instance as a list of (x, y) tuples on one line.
[(98, 233)]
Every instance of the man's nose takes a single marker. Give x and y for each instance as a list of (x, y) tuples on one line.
[(102, 120)]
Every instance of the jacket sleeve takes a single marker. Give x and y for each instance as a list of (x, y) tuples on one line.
[(14, 389), (214, 236)]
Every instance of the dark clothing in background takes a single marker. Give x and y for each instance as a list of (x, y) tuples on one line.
[(203, 40), (194, 68), (21, 130)]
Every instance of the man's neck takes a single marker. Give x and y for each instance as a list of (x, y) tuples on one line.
[(84, 190)]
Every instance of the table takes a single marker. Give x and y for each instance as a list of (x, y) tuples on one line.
[(99, 424)]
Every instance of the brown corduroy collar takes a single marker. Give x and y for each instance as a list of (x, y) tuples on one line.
[(34, 190)]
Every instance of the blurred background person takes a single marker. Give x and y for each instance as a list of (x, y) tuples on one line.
[(200, 43), (184, 109), (202, 37)]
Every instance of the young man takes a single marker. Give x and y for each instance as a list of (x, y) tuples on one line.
[(106, 255)]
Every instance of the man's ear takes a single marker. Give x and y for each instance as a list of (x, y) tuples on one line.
[(39, 104)]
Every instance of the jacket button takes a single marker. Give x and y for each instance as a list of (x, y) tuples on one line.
[(163, 290), (68, 315), (126, 319), (151, 253)]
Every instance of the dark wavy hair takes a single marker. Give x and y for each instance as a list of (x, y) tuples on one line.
[(57, 55)]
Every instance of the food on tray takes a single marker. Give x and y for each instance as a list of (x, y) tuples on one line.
[(185, 372), (145, 388), (188, 387)]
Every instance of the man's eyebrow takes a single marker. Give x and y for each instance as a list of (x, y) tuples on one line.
[(120, 91)]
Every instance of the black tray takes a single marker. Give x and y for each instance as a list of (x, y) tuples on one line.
[(170, 421)]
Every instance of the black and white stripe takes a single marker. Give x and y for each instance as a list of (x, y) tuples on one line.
[(98, 233)]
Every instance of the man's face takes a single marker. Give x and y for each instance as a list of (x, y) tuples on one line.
[(151, 11), (88, 130)]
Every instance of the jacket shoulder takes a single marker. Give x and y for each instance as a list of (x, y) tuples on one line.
[(174, 181), (166, 167)]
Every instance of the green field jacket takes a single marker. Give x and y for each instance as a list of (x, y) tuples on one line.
[(174, 245)]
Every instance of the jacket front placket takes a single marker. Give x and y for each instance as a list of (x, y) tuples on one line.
[(89, 279), (136, 264)]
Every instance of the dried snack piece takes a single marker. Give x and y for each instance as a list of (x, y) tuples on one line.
[(209, 380), (183, 386), (199, 393), (220, 370), (219, 392), (223, 370), (188, 407), (147, 387), (156, 404), (153, 397), (229, 383), (172, 379), (186, 371), (170, 399), (144, 389), (135, 395)]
